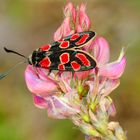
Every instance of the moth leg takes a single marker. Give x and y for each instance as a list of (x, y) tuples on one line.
[(72, 79), (72, 74)]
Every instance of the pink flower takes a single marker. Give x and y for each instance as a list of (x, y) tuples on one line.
[(49, 92), (75, 21), (84, 21), (112, 70)]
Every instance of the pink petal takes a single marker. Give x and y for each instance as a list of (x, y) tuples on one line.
[(58, 35), (108, 86), (40, 102), (112, 110), (70, 11), (59, 109), (37, 85), (79, 28), (84, 20), (82, 75), (65, 78), (107, 105), (101, 50), (114, 70), (64, 30)]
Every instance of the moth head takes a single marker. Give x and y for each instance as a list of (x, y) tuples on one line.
[(36, 57)]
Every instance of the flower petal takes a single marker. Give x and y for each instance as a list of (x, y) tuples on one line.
[(108, 86), (84, 20), (64, 30), (70, 11), (65, 78), (59, 109), (81, 75), (101, 50), (108, 106), (79, 28), (37, 85), (114, 70), (40, 102)]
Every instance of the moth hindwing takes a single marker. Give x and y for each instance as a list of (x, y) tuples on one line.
[(69, 60)]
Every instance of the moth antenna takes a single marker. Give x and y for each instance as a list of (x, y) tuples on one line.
[(4, 74), (11, 51)]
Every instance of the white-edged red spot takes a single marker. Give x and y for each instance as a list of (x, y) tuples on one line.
[(45, 63), (76, 66), (83, 59), (45, 47), (64, 58), (64, 44), (61, 67), (83, 39), (74, 37)]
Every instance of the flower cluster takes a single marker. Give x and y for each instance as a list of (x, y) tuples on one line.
[(84, 96)]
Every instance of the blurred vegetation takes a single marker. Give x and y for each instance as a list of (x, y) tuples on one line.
[(26, 25)]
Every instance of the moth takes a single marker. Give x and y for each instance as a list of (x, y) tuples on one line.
[(63, 55)]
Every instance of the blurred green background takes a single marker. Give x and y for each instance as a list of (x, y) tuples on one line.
[(26, 25)]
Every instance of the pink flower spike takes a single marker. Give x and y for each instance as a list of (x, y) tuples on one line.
[(70, 11), (39, 102), (101, 50), (114, 70), (84, 20), (37, 85)]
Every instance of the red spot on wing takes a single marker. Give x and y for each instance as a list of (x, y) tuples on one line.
[(83, 59), (45, 47), (75, 66), (64, 58), (74, 37), (45, 63), (61, 67), (82, 39), (64, 44)]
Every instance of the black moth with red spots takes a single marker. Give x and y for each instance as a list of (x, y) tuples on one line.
[(65, 54)]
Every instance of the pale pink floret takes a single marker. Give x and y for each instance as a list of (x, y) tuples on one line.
[(57, 108)]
